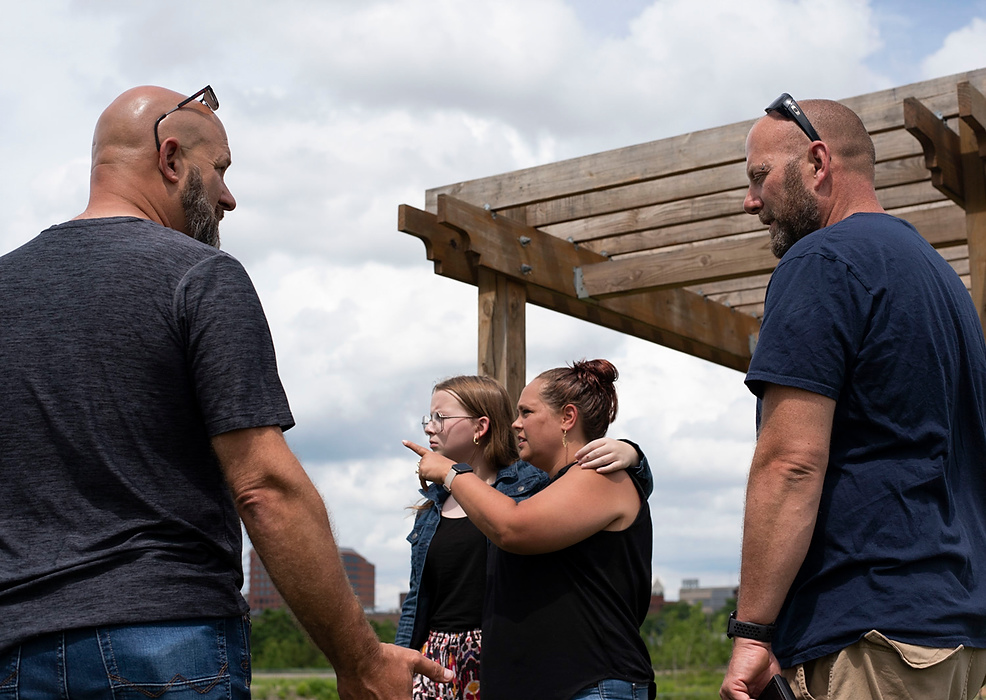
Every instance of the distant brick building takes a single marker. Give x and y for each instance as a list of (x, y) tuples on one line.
[(362, 576), (262, 594)]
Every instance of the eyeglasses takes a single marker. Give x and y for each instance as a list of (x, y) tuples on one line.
[(209, 99), (787, 107), (439, 420)]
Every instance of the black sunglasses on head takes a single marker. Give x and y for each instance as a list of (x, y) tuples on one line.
[(787, 107), (209, 99)]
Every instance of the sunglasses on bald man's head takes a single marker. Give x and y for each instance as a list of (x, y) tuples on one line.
[(208, 98), (788, 108)]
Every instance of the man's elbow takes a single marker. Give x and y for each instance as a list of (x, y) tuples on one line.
[(258, 498), (802, 471)]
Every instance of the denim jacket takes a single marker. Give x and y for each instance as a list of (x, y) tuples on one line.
[(520, 480)]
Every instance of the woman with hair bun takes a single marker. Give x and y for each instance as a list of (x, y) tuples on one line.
[(470, 423), (568, 582)]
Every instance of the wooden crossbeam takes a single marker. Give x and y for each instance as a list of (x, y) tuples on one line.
[(733, 221), (942, 151), (739, 256), (972, 112), (461, 239), (593, 175)]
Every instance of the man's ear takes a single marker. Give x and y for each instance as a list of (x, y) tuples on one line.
[(168, 159), (821, 160)]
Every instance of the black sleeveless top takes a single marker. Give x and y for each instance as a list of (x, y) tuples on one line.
[(559, 622), (455, 576)]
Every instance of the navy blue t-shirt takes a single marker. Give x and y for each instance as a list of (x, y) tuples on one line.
[(867, 313)]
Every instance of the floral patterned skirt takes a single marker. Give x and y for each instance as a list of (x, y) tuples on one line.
[(458, 651)]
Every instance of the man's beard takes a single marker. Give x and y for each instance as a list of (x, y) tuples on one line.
[(796, 216), (201, 218)]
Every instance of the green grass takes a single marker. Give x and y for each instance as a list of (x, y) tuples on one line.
[(293, 687), (688, 685)]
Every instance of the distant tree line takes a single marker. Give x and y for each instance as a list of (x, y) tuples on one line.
[(679, 638), (278, 641)]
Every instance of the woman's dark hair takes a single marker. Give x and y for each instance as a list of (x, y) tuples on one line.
[(589, 386)]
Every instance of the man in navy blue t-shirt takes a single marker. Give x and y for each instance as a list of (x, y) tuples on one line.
[(862, 573)]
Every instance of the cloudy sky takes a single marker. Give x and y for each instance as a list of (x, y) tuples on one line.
[(340, 110)]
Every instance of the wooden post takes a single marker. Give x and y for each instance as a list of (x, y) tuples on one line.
[(502, 331), (972, 132)]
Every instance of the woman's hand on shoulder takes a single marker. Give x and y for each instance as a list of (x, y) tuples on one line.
[(607, 455)]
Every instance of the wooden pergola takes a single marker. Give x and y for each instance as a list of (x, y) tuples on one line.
[(652, 241)]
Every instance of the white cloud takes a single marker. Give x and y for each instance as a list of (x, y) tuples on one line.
[(961, 51)]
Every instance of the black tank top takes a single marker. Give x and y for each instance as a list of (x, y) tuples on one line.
[(455, 576), (559, 622)]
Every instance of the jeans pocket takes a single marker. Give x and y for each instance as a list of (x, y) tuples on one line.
[(9, 666), (170, 659)]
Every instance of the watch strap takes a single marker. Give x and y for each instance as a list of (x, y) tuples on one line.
[(454, 471), (749, 630)]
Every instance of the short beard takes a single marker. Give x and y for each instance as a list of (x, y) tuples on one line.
[(798, 215), (201, 218)]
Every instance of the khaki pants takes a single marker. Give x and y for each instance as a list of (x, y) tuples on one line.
[(877, 668)]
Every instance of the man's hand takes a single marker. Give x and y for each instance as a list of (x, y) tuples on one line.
[(388, 675), (751, 667)]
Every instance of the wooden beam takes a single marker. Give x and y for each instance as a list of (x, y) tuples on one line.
[(880, 112), (941, 223), (444, 246), (972, 111), (737, 256), (675, 318), (502, 331), (733, 221), (614, 168), (942, 152)]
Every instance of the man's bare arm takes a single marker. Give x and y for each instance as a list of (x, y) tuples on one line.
[(289, 527), (782, 497)]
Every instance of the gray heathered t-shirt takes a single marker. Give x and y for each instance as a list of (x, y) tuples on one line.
[(124, 347)]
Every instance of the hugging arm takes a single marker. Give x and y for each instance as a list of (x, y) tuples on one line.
[(570, 509)]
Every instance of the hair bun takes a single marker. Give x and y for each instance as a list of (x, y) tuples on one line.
[(597, 371)]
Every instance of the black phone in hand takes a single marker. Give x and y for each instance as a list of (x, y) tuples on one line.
[(777, 689)]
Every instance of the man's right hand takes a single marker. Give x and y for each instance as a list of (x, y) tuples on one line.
[(751, 667), (389, 675)]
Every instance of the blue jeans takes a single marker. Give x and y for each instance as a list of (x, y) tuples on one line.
[(201, 659), (613, 689)]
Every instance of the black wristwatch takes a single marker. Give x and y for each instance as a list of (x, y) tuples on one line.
[(749, 630), (458, 468)]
